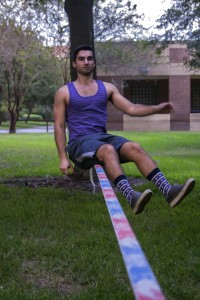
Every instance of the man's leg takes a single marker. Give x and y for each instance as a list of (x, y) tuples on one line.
[(109, 157), (131, 151)]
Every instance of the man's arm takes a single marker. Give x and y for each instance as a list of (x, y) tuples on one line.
[(135, 110), (60, 102)]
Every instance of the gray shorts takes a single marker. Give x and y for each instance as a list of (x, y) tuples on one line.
[(83, 151)]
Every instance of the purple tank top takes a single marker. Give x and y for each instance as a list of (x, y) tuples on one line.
[(86, 114)]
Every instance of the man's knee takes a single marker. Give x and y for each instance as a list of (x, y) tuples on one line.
[(132, 146), (131, 151), (105, 152), (138, 149)]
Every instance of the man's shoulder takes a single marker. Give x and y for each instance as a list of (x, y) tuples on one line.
[(63, 89), (62, 93), (108, 85)]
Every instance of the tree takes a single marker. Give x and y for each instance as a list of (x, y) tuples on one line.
[(93, 20), (80, 15), (126, 56), (116, 21), (181, 23), (42, 90), (89, 20), (21, 61), (111, 21), (13, 59)]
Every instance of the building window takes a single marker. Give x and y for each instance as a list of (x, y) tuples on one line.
[(144, 95), (195, 99)]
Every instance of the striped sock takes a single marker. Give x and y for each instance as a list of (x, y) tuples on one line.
[(123, 185), (159, 180)]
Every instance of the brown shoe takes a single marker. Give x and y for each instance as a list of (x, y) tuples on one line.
[(179, 192), (142, 200)]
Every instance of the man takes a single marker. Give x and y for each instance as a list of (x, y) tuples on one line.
[(83, 103)]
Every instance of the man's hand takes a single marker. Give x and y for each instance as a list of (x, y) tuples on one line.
[(165, 107), (66, 166)]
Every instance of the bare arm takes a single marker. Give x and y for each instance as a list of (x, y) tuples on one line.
[(60, 102), (135, 110)]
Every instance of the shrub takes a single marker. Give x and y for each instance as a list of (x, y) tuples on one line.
[(32, 117), (4, 115)]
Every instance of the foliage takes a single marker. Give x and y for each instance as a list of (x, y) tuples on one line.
[(42, 90), (31, 117), (116, 20), (28, 70), (125, 55), (181, 23), (45, 18), (102, 21), (112, 20), (15, 50)]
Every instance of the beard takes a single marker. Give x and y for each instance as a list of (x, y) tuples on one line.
[(86, 71)]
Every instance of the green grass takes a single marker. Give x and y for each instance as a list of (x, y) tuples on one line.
[(28, 155), (61, 245)]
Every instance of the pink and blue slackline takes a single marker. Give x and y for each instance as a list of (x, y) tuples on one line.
[(141, 276)]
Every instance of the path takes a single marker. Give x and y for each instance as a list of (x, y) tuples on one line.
[(41, 129)]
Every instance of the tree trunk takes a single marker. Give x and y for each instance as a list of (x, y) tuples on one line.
[(80, 14), (13, 121), (28, 114), (1, 90)]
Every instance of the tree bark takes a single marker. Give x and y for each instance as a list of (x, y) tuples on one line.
[(13, 121), (80, 14)]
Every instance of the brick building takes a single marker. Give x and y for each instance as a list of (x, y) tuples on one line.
[(166, 80)]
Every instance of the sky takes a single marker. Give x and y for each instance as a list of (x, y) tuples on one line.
[(152, 9)]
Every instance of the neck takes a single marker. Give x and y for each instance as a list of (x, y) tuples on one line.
[(84, 79)]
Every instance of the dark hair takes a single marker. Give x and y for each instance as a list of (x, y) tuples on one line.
[(79, 48)]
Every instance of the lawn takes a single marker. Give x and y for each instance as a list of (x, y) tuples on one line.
[(59, 244)]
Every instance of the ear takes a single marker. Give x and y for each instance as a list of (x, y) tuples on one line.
[(74, 64)]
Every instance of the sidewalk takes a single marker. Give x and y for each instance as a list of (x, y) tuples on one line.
[(42, 129)]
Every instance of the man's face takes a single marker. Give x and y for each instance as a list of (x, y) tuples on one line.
[(84, 63)]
